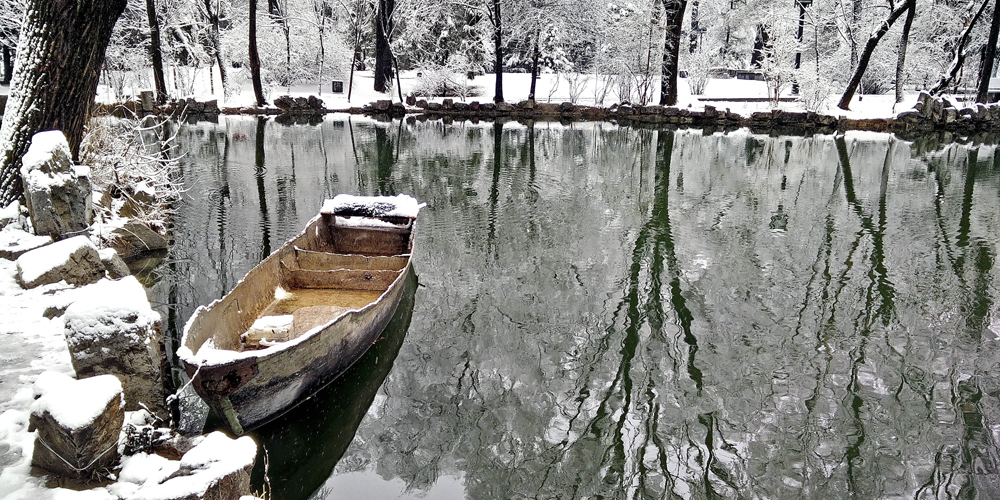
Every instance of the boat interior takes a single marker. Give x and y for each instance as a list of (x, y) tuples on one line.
[(339, 263)]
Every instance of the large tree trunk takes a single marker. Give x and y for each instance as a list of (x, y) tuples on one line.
[(852, 87), (258, 88), (983, 94), (59, 58), (497, 51), (154, 52), (904, 39), (383, 51), (959, 57), (674, 10)]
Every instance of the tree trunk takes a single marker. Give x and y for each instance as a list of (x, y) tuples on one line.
[(983, 94), (258, 88), (216, 42), (760, 43), (904, 39), (354, 62), (674, 10), (154, 52), (851, 26), (322, 52), (694, 25), (798, 50), (852, 87), (534, 66), (59, 58), (959, 58), (383, 51), (497, 51), (8, 65)]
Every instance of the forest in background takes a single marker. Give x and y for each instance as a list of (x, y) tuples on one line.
[(623, 47)]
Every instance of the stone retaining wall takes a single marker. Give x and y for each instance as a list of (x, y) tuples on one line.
[(930, 114)]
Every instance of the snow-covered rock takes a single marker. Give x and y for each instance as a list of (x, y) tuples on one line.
[(218, 468), (114, 264), (112, 329), (15, 243), (133, 238), (140, 201), (74, 260), (57, 192), (10, 214), (78, 423)]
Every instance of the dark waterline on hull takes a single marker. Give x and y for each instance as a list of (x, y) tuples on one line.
[(606, 311)]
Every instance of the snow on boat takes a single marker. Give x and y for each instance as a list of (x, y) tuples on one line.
[(304, 315)]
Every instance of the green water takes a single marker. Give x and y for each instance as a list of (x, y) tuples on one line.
[(606, 312)]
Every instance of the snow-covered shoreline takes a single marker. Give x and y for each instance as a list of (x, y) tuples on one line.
[(724, 102)]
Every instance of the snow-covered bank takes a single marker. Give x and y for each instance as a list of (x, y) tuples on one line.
[(587, 90), (35, 348), (722, 102)]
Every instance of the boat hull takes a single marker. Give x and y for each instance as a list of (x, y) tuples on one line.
[(258, 386), (277, 383)]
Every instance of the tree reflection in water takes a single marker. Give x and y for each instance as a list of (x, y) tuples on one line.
[(610, 312)]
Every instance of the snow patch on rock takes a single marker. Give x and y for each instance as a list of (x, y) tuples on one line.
[(106, 306), (218, 462), (75, 260), (75, 404)]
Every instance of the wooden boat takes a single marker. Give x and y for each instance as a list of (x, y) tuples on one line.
[(304, 315)]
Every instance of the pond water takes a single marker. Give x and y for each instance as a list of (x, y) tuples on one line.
[(609, 312)]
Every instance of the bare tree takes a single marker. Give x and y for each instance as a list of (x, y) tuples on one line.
[(958, 58), (155, 54), (859, 72), (990, 53), (213, 14), (258, 88), (493, 14), (904, 39), (384, 25), (674, 10), (59, 58)]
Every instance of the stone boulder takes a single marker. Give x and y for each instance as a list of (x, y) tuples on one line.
[(78, 424), (139, 202), (218, 468), (114, 264), (112, 329), (135, 238), (146, 97), (75, 260), (10, 215), (15, 243), (57, 192)]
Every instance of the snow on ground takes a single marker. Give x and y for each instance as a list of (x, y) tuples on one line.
[(550, 87), (33, 345)]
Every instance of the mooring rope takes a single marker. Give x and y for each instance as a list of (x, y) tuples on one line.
[(67, 462)]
